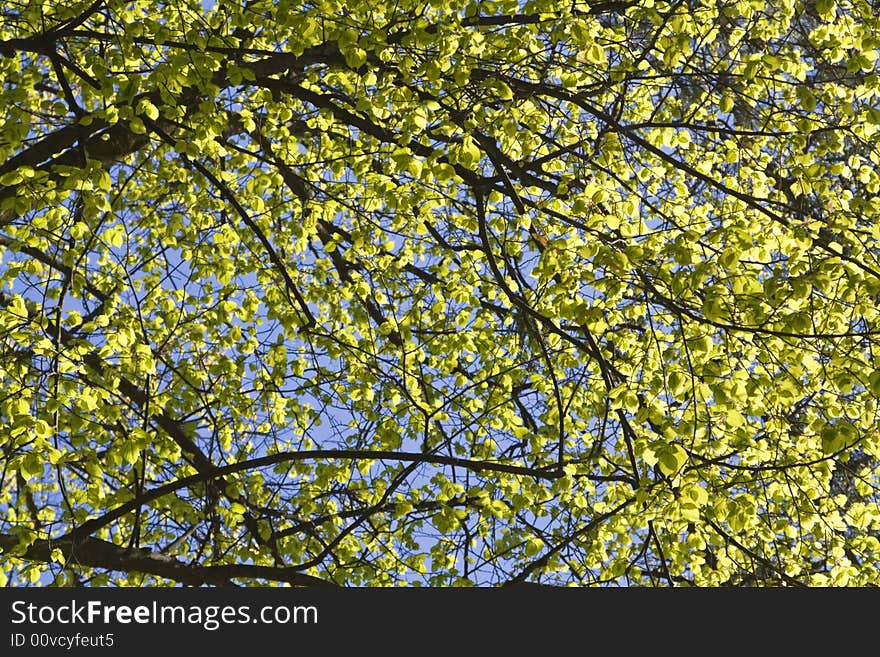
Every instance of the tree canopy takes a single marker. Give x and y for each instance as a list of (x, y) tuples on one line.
[(440, 293)]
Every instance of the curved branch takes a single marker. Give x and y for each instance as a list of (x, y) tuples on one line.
[(96, 553)]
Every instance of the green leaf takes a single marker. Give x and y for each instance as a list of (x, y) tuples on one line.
[(355, 57), (726, 103), (825, 7), (833, 440), (30, 466), (503, 90), (443, 172), (147, 108), (130, 452), (42, 429), (469, 153), (533, 547), (595, 54), (57, 556), (671, 458), (806, 98), (874, 383)]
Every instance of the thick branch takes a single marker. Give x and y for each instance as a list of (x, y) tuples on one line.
[(95, 553)]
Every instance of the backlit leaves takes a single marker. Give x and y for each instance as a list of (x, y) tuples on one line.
[(456, 294)]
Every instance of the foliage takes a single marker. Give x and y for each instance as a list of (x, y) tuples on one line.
[(457, 292)]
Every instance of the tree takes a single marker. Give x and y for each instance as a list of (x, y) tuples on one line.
[(440, 293)]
